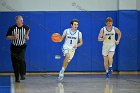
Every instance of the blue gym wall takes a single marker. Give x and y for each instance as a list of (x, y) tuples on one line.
[(138, 65), (127, 56), (41, 51)]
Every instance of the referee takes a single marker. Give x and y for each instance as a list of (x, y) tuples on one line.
[(18, 34)]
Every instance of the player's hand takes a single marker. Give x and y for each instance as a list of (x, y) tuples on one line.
[(116, 42), (26, 37), (60, 40), (16, 36), (75, 46), (100, 39)]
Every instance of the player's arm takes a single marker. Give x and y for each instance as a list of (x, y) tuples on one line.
[(80, 42), (100, 36), (119, 35), (62, 37)]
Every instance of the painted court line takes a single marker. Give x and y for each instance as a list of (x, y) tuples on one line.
[(12, 85)]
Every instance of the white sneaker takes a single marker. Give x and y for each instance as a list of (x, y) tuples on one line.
[(61, 75)]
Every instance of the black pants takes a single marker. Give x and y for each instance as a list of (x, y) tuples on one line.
[(18, 60)]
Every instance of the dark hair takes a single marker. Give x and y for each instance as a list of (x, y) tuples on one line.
[(74, 20)]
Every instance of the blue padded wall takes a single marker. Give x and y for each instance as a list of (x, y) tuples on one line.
[(41, 51)]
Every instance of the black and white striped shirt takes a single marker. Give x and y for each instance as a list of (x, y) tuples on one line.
[(21, 31)]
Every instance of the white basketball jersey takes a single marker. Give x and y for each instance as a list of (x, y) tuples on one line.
[(71, 38), (109, 36)]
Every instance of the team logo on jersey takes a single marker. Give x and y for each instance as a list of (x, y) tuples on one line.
[(71, 37), (108, 34)]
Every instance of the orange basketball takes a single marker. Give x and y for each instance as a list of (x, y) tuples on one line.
[(56, 37)]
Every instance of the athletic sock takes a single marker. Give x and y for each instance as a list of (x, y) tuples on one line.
[(106, 71), (63, 69)]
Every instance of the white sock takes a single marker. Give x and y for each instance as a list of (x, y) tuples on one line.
[(110, 66), (106, 71), (63, 69)]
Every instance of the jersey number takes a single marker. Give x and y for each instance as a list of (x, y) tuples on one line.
[(70, 41), (109, 37)]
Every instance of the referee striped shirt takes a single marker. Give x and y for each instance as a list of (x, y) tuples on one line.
[(21, 31)]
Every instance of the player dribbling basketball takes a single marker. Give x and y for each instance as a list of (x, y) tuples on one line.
[(107, 35), (73, 40)]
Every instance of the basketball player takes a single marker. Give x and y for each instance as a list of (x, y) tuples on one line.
[(107, 35), (72, 36)]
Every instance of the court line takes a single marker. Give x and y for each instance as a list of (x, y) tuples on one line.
[(5, 86), (12, 85), (73, 73)]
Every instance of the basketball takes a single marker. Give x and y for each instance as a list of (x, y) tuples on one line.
[(56, 37)]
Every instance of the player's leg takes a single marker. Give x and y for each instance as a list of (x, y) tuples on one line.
[(65, 63), (105, 51), (106, 63), (68, 56), (66, 60), (110, 57)]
